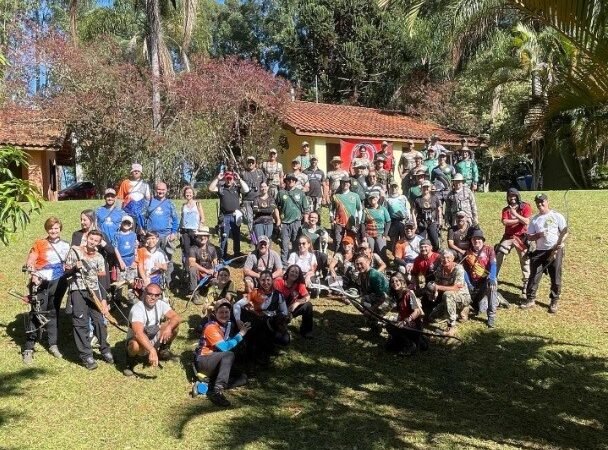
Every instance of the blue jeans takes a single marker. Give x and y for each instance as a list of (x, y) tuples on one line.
[(229, 229), (261, 229)]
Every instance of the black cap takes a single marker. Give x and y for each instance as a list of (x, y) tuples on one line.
[(409, 224), (477, 233), (512, 191), (345, 179), (290, 176)]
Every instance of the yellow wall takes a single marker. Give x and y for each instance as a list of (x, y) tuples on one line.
[(38, 171)]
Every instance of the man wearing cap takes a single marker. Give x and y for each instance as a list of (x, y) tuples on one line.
[(254, 178), (480, 266), (548, 229), (383, 176), (449, 291), (125, 246), (202, 260), (515, 217), (274, 172), (162, 218), (398, 209), (109, 216), (411, 179), (153, 326), (293, 207), (467, 167), (346, 212), (316, 184), (135, 195), (428, 214), (460, 198), (262, 258), (435, 145), (229, 188), (304, 156), (360, 161), (407, 248), (444, 172), (459, 236), (301, 177), (431, 161), (386, 156), (333, 178), (407, 163), (415, 190)]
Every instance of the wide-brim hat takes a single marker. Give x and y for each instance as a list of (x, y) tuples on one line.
[(458, 177), (203, 231)]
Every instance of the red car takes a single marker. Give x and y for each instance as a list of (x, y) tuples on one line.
[(82, 190)]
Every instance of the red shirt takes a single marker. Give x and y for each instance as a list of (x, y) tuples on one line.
[(519, 229), (388, 162), (290, 294), (425, 266), (477, 264)]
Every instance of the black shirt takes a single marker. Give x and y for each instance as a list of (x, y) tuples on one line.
[(253, 178), (229, 198), (315, 180)]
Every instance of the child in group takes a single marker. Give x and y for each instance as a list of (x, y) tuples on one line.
[(151, 261), (125, 245)]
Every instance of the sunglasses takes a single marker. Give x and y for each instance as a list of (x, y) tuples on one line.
[(153, 294)]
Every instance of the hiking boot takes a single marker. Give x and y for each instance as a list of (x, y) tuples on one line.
[(28, 356), (217, 397), (166, 355), (464, 314), (131, 362), (90, 363), (54, 350), (528, 304), (107, 357), (198, 299), (491, 323), (553, 306), (238, 381)]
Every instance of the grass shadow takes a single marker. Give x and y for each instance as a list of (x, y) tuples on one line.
[(14, 384)]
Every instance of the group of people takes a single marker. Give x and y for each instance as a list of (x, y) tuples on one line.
[(384, 244)]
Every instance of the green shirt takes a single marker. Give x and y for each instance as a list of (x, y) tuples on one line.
[(431, 164), (292, 205), (468, 169), (346, 207), (373, 283), (415, 192), (376, 220)]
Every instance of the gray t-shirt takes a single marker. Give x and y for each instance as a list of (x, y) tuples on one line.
[(148, 317), (270, 261)]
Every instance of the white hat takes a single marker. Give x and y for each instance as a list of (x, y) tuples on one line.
[(136, 167), (127, 218)]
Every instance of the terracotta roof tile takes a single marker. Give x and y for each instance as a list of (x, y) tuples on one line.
[(29, 128), (309, 118)]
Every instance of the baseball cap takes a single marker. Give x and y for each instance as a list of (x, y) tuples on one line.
[(228, 176), (291, 176), (314, 158), (345, 179), (136, 167), (251, 158), (541, 198), (221, 302), (305, 143), (127, 218), (426, 183), (409, 224), (372, 194), (477, 234), (336, 159), (272, 150), (263, 239), (109, 191), (426, 242), (384, 143), (418, 156), (461, 214), (360, 165), (348, 240)]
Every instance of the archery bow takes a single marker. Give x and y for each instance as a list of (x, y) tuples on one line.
[(35, 309), (352, 299)]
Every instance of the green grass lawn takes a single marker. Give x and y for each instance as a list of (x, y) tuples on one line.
[(536, 381)]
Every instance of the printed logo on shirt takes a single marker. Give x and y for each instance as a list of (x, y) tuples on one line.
[(158, 210), (297, 196)]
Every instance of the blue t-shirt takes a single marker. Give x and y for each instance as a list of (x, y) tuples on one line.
[(162, 217), (108, 220), (126, 245)]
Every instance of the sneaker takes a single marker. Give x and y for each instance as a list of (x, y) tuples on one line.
[(491, 323), (54, 350), (198, 299), (217, 397), (90, 363), (553, 307), (107, 357), (129, 370), (528, 304), (464, 314), (28, 356)]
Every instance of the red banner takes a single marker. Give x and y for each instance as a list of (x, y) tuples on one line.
[(351, 149)]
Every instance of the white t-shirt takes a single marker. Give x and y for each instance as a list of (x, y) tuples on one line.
[(552, 224), (149, 317), (305, 262)]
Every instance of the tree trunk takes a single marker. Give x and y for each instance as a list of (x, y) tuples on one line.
[(73, 21), (154, 37)]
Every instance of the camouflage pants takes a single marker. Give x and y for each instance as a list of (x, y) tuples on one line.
[(453, 302)]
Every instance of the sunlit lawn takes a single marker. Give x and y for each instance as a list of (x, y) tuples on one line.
[(536, 381)]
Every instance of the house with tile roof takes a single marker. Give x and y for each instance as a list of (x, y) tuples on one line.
[(44, 140), (323, 126)]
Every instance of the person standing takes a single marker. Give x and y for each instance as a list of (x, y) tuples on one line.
[(316, 184), (443, 172), (45, 263), (548, 229), (377, 221), (399, 211), (467, 167), (333, 178), (88, 266), (515, 217), (431, 161), (254, 177), (460, 198), (162, 218), (192, 218), (265, 213), (304, 157), (229, 192), (302, 178), (274, 172), (407, 163), (135, 195), (108, 216), (428, 214), (385, 154), (346, 212), (293, 206)]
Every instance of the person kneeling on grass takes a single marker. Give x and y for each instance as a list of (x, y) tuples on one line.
[(213, 355), (293, 288), (409, 314), (153, 327)]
